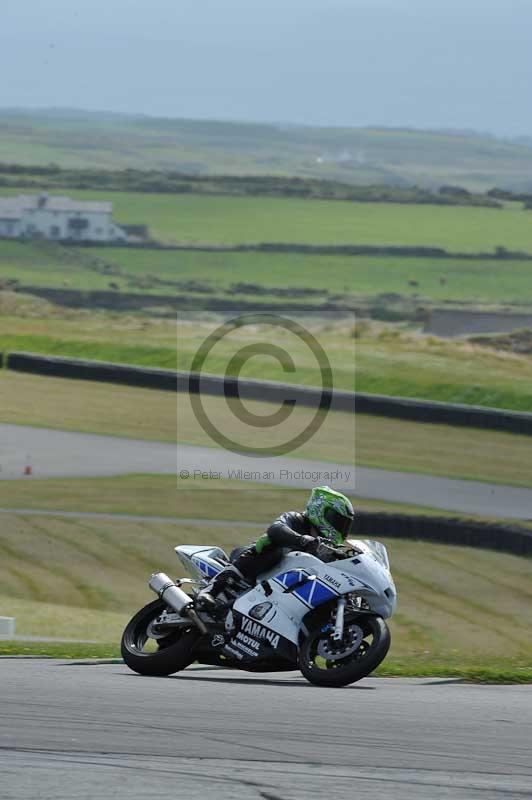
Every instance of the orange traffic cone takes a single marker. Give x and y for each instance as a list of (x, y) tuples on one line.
[(28, 468)]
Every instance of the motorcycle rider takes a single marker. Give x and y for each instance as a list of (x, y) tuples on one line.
[(328, 516)]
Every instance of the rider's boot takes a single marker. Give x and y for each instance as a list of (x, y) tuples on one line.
[(222, 589)]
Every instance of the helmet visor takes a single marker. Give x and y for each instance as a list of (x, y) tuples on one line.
[(340, 522)]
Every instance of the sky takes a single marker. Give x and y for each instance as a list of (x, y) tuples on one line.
[(464, 64)]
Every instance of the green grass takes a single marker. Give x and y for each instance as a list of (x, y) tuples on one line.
[(59, 650), (152, 495), (445, 371), (143, 355), (481, 672), (87, 406), (145, 271), (32, 264), (474, 281), (82, 579), (232, 220)]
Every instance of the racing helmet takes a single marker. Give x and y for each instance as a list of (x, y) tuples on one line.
[(332, 513)]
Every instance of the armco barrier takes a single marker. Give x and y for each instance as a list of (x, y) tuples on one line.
[(467, 533), (269, 391)]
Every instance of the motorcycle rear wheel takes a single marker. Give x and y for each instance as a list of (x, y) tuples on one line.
[(173, 653), (358, 664)]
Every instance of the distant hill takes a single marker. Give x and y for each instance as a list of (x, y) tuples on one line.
[(74, 139)]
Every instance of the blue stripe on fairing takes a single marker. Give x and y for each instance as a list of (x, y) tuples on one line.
[(287, 579), (312, 593), (205, 568), (304, 592), (322, 594)]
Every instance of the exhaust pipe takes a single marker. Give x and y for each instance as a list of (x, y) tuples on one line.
[(167, 590)]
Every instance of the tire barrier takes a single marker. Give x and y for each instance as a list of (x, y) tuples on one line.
[(80, 369), (494, 419), (266, 391), (169, 380), (441, 530), (269, 391)]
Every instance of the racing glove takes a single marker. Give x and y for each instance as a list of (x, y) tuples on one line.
[(309, 544)]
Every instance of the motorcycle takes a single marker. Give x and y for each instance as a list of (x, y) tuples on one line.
[(323, 614)]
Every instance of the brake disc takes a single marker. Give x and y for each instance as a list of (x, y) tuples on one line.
[(332, 651)]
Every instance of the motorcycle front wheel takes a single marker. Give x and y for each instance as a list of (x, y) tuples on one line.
[(325, 662), (154, 653)]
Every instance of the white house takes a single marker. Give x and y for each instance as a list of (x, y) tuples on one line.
[(59, 218)]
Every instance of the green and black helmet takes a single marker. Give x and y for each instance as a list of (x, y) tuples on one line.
[(331, 513)]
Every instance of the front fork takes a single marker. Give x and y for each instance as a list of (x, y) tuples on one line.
[(338, 633)]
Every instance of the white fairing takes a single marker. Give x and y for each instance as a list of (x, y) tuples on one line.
[(312, 583), (201, 561)]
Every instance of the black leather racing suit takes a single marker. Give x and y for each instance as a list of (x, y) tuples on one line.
[(286, 533)]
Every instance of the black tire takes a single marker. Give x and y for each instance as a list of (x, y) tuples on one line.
[(175, 652), (355, 666)]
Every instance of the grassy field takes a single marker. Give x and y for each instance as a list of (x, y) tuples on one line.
[(232, 220), (151, 271), (374, 441), (379, 360), (152, 495), (76, 578), (477, 282), (42, 264), (89, 139)]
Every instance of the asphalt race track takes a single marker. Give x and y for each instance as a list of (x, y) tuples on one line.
[(54, 453), (99, 731)]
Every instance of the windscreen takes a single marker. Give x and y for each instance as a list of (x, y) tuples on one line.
[(377, 550)]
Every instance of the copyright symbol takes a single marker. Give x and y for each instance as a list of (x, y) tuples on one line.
[(184, 474), (232, 377)]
